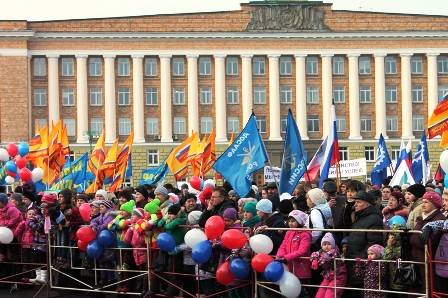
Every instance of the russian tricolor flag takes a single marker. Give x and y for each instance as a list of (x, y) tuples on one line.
[(331, 153)]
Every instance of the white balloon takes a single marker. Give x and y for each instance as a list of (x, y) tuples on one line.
[(9, 180), (285, 267), (444, 160), (261, 244), (6, 235), (290, 285), (208, 183), (37, 174), (4, 155), (194, 236)]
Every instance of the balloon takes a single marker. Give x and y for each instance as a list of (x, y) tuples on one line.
[(6, 235), (82, 245), (94, 249), (202, 252), (194, 236), (25, 174), (21, 162), (233, 239), (261, 244), (23, 149), (11, 166), (290, 285), (396, 220), (13, 175), (105, 237), (444, 161), (260, 261), (85, 211), (274, 271), (166, 242), (12, 149), (9, 180), (214, 226), (85, 234), (4, 156), (37, 174), (223, 275), (239, 268), (196, 182), (285, 267)]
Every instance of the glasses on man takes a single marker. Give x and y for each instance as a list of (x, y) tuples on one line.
[(215, 197)]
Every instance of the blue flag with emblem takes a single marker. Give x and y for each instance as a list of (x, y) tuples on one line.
[(420, 161), (152, 176), (294, 157), (382, 162), (244, 156)]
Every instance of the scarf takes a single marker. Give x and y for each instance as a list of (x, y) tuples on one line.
[(47, 224), (251, 222), (424, 216)]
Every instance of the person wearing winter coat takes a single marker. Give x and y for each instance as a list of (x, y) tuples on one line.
[(373, 272), (10, 217), (162, 195), (37, 224), (74, 221), (413, 196), (395, 207), (218, 203), (25, 235)]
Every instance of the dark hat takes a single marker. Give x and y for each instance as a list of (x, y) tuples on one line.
[(271, 185), (143, 190), (385, 181), (184, 186), (399, 196), (29, 195), (375, 193), (330, 187), (418, 190), (4, 198), (126, 193), (67, 193), (285, 206), (82, 197), (187, 197), (17, 197), (174, 209), (65, 207), (365, 196)]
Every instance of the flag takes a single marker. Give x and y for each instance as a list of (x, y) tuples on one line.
[(98, 155), (294, 157), (179, 166), (405, 154), (193, 149), (438, 122), (331, 153), (440, 173), (316, 162), (3, 175), (38, 146), (209, 154), (75, 170), (402, 175), (152, 176), (231, 138), (244, 156), (196, 165), (444, 140), (109, 165), (382, 162)]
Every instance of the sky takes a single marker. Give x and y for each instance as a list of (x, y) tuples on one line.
[(41, 10)]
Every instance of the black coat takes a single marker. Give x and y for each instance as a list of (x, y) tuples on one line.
[(275, 221), (217, 210)]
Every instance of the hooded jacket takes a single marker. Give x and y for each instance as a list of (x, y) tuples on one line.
[(10, 216), (294, 247), (275, 221)]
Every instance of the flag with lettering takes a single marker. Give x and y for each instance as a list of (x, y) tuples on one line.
[(438, 121), (382, 162), (420, 161), (155, 175)]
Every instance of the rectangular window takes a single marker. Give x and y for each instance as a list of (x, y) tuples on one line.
[(340, 123), (40, 69), (417, 122), (96, 125), (152, 126), (343, 153), (312, 94), (206, 125), (416, 65), (364, 65), (233, 124), (313, 123), (68, 67), (395, 152), (153, 157), (391, 65), (285, 66), (124, 96), (179, 125), (442, 64), (311, 65), (40, 97), (178, 66), (366, 123), (151, 96), (70, 125), (206, 96), (232, 95), (365, 96), (150, 67), (96, 96), (338, 65), (369, 153), (417, 93), (95, 67), (40, 122), (259, 95), (232, 66), (205, 66), (179, 96), (391, 123), (124, 126), (68, 97), (261, 123), (442, 91), (391, 94), (124, 67), (283, 123), (286, 94), (259, 66), (339, 94)]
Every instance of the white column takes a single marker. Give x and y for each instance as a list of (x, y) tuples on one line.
[(353, 85), (82, 113), (380, 97), (220, 98), (246, 92), (274, 99), (165, 98), (432, 83), (327, 91), (137, 99), (193, 98), (406, 97), (301, 115), (110, 113), (53, 89)]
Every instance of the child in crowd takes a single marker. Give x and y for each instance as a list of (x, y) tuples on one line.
[(334, 272), (152, 216), (375, 273), (344, 247), (393, 251), (73, 220), (25, 235), (251, 219)]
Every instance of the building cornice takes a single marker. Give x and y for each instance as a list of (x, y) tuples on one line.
[(14, 34)]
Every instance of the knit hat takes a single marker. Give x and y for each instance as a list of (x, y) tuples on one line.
[(184, 186), (299, 216), (17, 197), (317, 196), (107, 203), (365, 196), (251, 208), (418, 190), (4, 198), (434, 198), (143, 190), (49, 198), (285, 206), (153, 206), (174, 198), (128, 206), (344, 240), (285, 196), (29, 195), (138, 211), (193, 217), (126, 193), (232, 193), (328, 237), (161, 190), (187, 197), (96, 203), (399, 196), (330, 187), (264, 205), (101, 192), (230, 213), (174, 209), (377, 250)]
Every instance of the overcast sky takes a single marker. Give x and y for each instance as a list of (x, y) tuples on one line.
[(37, 10)]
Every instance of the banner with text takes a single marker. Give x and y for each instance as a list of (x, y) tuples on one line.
[(269, 175), (350, 168)]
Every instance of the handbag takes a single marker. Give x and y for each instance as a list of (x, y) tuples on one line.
[(407, 274)]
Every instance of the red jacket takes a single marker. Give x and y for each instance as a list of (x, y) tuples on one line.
[(24, 234), (295, 245), (76, 221), (10, 216), (137, 240)]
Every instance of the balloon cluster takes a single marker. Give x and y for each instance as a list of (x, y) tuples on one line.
[(199, 184), (92, 243), (17, 165), (6, 235)]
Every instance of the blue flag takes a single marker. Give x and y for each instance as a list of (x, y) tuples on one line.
[(382, 162), (420, 160), (244, 156), (294, 157), (152, 176)]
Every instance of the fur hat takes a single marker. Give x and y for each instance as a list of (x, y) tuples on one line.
[(174, 209), (17, 197), (143, 190), (128, 206), (126, 193), (264, 205), (377, 250), (161, 190), (330, 187), (138, 211), (193, 217), (230, 213), (418, 190), (285, 206), (434, 198), (4, 198), (399, 196), (101, 192), (107, 203), (153, 206), (49, 198), (317, 196), (328, 237), (96, 203), (187, 197), (365, 196), (299, 216), (251, 207)]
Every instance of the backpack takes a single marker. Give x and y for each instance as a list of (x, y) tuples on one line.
[(316, 245), (442, 255)]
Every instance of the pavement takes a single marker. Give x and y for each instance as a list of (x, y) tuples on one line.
[(31, 291)]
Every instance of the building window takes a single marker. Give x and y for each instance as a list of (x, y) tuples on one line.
[(124, 126), (391, 65), (259, 66), (365, 96), (283, 123), (179, 125), (366, 123), (151, 67), (153, 157), (179, 96), (68, 97), (285, 66), (178, 66), (338, 65), (416, 65), (311, 65), (232, 66), (206, 125), (151, 96), (417, 93), (39, 67), (417, 122), (339, 94), (96, 96), (312, 94), (391, 123), (391, 94), (286, 94), (40, 122), (95, 67), (70, 126), (343, 153), (232, 95), (442, 64), (313, 123), (124, 96), (259, 95), (395, 152), (206, 96), (340, 123), (364, 65), (369, 153), (40, 97), (261, 123), (442, 91), (152, 126), (124, 67), (68, 67), (233, 124), (205, 66), (96, 124)]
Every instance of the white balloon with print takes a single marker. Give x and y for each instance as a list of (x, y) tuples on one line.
[(261, 244)]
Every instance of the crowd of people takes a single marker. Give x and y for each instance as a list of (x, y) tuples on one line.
[(330, 260)]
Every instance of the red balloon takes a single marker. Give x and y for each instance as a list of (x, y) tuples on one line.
[(25, 174), (195, 182), (13, 175), (85, 234), (214, 226), (260, 261), (223, 275), (82, 245), (21, 162), (85, 211), (233, 239), (12, 149)]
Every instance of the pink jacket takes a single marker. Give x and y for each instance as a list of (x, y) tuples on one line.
[(137, 240), (10, 216), (297, 244), (24, 234)]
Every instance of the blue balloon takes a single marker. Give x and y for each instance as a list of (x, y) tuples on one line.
[(274, 271), (396, 220), (94, 249), (445, 180), (239, 268), (23, 149), (166, 242), (105, 237), (202, 252), (11, 166)]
